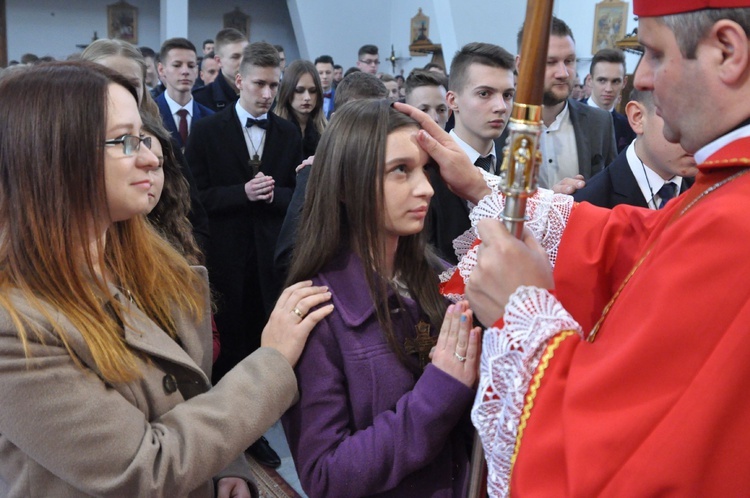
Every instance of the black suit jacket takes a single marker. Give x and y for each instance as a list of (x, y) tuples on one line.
[(448, 217), (624, 134), (243, 233), (617, 185), (217, 96)]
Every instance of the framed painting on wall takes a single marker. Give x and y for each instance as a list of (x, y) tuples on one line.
[(122, 22), (239, 21), (610, 24)]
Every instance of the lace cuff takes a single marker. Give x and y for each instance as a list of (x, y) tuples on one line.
[(547, 215), (509, 359)]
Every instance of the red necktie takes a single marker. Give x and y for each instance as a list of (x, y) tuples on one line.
[(183, 129)]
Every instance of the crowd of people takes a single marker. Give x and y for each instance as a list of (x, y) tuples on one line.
[(196, 246)]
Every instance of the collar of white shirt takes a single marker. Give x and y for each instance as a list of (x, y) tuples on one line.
[(174, 106)]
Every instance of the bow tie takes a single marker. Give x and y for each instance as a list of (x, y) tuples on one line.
[(327, 95), (260, 123)]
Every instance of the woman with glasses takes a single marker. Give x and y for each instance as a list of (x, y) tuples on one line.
[(127, 60), (105, 343), (300, 101)]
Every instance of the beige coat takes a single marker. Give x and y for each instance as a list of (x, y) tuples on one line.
[(65, 432)]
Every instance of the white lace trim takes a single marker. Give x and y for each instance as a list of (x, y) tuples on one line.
[(547, 215), (509, 359)]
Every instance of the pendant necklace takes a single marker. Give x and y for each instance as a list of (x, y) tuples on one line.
[(254, 161)]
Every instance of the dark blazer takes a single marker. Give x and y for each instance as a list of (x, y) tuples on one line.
[(624, 134), (595, 137), (615, 185), (330, 108), (448, 217), (199, 111), (217, 96), (243, 233)]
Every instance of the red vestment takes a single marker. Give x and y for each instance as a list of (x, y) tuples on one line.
[(658, 404)]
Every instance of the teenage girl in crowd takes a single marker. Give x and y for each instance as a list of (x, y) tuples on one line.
[(300, 101), (105, 342), (374, 416)]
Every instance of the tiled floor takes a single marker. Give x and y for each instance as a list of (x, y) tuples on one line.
[(277, 440)]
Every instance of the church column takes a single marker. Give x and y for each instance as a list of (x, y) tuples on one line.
[(173, 19)]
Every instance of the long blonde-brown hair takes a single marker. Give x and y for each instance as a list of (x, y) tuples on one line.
[(53, 198)]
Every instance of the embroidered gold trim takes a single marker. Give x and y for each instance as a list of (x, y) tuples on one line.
[(731, 162), (536, 381)]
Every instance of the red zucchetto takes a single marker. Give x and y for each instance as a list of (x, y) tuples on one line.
[(652, 8)]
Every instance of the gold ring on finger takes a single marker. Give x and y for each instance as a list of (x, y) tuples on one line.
[(297, 312)]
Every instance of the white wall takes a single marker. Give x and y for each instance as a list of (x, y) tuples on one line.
[(55, 27), (306, 28)]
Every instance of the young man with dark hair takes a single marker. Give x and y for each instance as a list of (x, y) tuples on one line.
[(324, 65), (391, 85), (426, 91), (282, 58), (338, 74), (578, 141), (480, 94), (607, 79), (152, 79), (368, 60), (359, 85), (208, 47), (223, 92), (244, 160), (209, 69), (178, 69)]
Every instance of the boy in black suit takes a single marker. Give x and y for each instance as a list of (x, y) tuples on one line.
[(244, 160)]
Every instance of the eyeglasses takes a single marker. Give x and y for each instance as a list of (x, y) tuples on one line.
[(373, 62), (131, 144)]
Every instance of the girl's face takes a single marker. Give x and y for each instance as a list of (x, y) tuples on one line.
[(157, 174), (128, 169), (406, 186), (305, 95), (128, 68)]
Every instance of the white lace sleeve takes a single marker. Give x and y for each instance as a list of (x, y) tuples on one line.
[(547, 215), (509, 359)]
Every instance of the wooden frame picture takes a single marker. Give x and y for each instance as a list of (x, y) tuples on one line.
[(122, 22), (610, 24), (238, 20)]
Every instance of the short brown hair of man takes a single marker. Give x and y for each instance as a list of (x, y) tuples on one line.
[(608, 55), (423, 77), (485, 54), (259, 54), (227, 36), (359, 86), (173, 43), (367, 50), (557, 28)]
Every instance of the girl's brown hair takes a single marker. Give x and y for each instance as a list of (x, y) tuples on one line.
[(344, 211)]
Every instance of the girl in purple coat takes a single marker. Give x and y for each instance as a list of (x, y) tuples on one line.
[(375, 416)]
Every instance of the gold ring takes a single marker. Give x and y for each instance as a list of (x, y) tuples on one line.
[(297, 312), (459, 357)]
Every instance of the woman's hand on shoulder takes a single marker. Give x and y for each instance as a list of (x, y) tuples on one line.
[(458, 348), (291, 319)]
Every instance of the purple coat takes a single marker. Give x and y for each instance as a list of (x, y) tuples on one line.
[(364, 425)]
